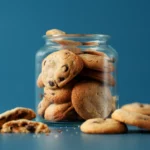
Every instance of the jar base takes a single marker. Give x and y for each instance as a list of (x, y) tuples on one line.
[(60, 123)]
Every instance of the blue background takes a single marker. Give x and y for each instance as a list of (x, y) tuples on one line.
[(23, 22)]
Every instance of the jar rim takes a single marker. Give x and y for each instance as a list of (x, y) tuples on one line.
[(97, 36)]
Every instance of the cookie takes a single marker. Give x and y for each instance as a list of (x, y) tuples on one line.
[(73, 49), (16, 113), (55, 32), (105, 78), (39, 81), (44, 103), (90, 99), (137, 107), (59, 68), (58, 112), (60, 95), (99, 53), (68, 42), (24, 126), (132, 118), (103, 126), (96, 62), (91, 43)]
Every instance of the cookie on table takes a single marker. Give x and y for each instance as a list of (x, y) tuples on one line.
[(60, 95), (132, 118), (137, 107), (58, 112), (103, 126), (55, 32), (17, 113), (24, 126), (59, 68), (90, 99), (105, 78), (95, 62)]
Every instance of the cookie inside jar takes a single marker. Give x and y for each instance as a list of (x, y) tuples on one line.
[(76, 76)]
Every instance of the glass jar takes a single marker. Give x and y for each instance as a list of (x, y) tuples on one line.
[(84, 88)]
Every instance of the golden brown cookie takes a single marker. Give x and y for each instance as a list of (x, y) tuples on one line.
[(132, 118), (103, 126), (68, 42), (73, 49), (90, 100), (103, 77), (59, 68), (96, 62), (55, 32), (99, 53), (60, 95), (24, 126), (91, 43), (58, 112), (138, 107), (16, 113), (39, 81), (44, 103)]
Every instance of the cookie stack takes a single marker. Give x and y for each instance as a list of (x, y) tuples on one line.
[(76, 85)]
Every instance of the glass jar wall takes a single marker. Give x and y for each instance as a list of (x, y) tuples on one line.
[(76, 79)]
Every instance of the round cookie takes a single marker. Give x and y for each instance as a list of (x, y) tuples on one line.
[(59, 68), (103, 126), (60, 95), (68, 42), (137, 107), (44, 103), (95, 62), (91, 100), (105, 78), (55, 32), (58, 112), (94, 52), (132, 118), (39, 81)]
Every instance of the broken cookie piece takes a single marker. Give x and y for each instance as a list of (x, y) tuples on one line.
[(24, 126), (17, 113)]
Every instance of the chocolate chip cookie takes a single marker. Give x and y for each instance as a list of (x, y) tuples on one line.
[(17, 113), (132, 118), (24, 126), (58, 112), (137, 107), (55, 32), (91, 99), (96, 62), (103, 126), (105, 78), (60, 95), (59, 68)]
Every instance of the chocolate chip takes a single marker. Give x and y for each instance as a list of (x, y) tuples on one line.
[(51, 83), (141, 105), (22, 115), (52, 93), (30, 128), (61, 79), (65, 68), (24, 124)]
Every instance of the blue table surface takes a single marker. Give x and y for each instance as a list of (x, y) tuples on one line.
[(71, 138)]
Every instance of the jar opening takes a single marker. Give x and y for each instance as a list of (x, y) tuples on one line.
[(83, 38)]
